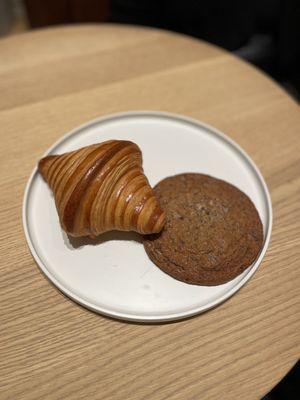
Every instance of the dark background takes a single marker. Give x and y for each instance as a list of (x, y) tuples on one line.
[(266, 33)]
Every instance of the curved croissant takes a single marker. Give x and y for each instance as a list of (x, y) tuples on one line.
[(102, 187)]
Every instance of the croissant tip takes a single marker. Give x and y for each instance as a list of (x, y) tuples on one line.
[(44, 164), (160, 223), (157, 227)]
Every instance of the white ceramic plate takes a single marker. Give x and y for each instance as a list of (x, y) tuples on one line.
[(115, 276)]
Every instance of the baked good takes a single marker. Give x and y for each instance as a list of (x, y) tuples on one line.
[(102, 187), (212, 233)]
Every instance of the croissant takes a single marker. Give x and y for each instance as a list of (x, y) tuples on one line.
[(102, 187)]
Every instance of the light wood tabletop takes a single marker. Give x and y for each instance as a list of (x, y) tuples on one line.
[(51, 348)]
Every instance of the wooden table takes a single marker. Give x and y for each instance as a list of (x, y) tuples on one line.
[(55, 79)]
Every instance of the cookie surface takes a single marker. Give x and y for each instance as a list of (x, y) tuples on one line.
[(212, 233)]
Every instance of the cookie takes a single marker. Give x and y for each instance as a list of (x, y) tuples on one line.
[(212, 233)]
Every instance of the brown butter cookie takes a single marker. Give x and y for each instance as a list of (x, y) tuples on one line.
[(212, 233)]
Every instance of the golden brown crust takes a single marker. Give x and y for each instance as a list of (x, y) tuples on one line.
[(102, 187)]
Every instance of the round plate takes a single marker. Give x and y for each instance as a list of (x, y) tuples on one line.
[(113, 275)]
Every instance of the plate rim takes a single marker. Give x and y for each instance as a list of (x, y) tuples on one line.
[(137, 317)]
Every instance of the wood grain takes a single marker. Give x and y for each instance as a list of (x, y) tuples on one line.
[(55, 79)]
